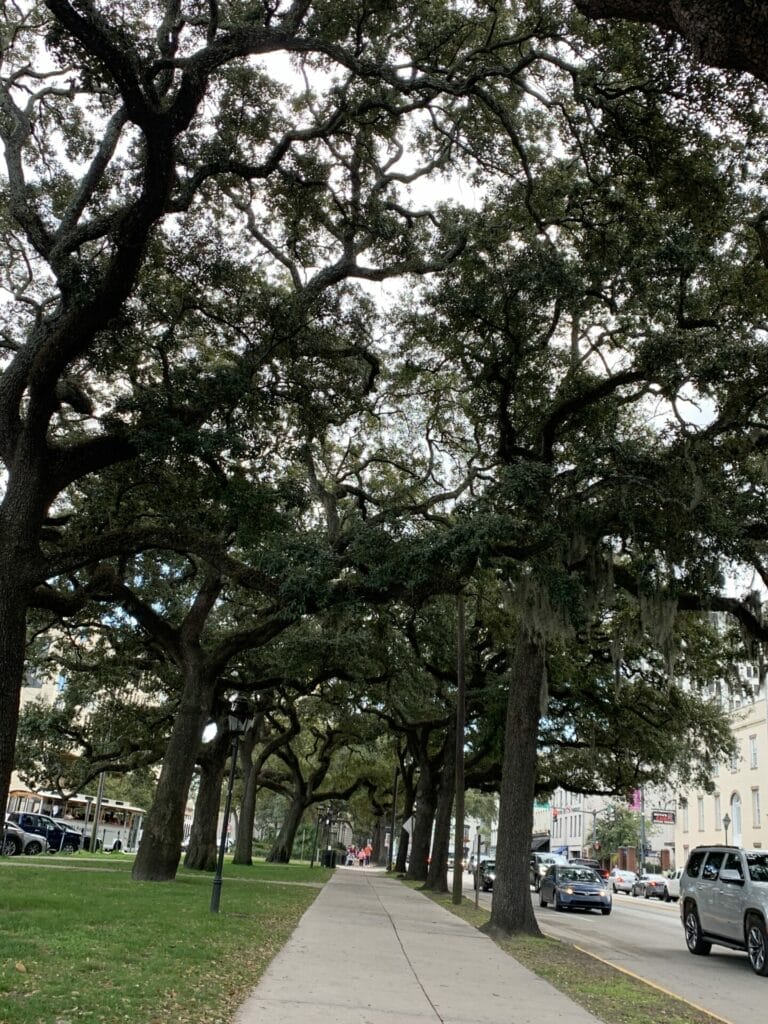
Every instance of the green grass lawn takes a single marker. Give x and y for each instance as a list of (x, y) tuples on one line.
[(81, 943)]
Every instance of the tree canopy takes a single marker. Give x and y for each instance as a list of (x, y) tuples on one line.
[(317, 315)]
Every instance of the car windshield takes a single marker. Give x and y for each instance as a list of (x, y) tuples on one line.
[(758, 866), (575, 874), (490, 865)]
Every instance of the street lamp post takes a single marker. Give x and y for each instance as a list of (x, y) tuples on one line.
[(240, 717), (315, 848), (726, 823), (642, 830), (477, 870)]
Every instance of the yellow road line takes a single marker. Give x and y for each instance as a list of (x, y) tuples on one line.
[(659, 988)]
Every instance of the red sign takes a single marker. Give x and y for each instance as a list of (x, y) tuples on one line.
[(663, 817)]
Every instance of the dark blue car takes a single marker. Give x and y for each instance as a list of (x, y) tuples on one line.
[(58, 835), (571, 887)]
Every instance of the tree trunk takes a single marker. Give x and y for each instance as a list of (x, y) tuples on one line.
[(437, 876), (21, 514), (512, 910), (203, 840), (13, 624), (244, 841), (409, 799), (421, 838), (379, 849), (283, 846), (160, 849), (402, 852)]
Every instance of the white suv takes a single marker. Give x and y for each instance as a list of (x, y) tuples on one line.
[(724, 901), (673, 885)]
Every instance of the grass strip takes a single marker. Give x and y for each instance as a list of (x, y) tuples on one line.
[(81, 943), (608, 993)]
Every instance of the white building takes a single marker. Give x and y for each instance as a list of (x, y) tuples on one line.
[(736, 809), (571, 819), (34, 687)]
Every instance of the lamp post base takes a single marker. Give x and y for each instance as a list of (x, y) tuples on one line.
[(216, 895)]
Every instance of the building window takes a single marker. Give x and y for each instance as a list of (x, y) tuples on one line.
[(755, 807), (700, 811), (753, 751), (734, 765), (718, 815), (684, 809)]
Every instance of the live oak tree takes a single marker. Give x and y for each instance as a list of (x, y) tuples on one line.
[(610, 253), (593, 290), (134, 139), (723, 33)]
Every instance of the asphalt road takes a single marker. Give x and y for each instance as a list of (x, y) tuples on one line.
[(645, 937)]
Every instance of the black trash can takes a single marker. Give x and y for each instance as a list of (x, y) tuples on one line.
[(329, 858)]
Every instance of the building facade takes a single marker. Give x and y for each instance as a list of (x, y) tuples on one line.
[(568, 824), (735, 810)]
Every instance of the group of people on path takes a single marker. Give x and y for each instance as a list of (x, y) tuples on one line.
[(360, 855)]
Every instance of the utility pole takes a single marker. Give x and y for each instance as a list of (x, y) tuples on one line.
[(458, 838), (642, 830)]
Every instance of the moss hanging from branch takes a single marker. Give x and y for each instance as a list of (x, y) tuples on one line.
[(658, 614)]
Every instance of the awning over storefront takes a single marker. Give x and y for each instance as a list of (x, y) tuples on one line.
[(540, 842)]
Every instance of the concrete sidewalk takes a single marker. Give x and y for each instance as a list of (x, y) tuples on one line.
[(371, 950)]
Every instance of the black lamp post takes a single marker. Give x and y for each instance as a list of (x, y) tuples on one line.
[(240, 717), (726, 823), (317, 838)]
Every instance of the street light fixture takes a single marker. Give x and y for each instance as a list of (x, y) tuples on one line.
[(238, 721), (726, 823)]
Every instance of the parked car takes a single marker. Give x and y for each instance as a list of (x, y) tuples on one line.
[(588, 862), (574, 887), (724, 902), (673, 884), (486, 874), (540, 862), (17, 841), (58, 835), (650, 885), (478, 866), (622, 880)]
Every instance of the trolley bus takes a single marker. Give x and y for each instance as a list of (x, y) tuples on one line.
[(117, 824)]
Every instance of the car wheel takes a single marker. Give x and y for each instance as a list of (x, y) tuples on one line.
[(33, 847), (757, 945), (69, 848), (11, 846), (694, 939), (605, 911)]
